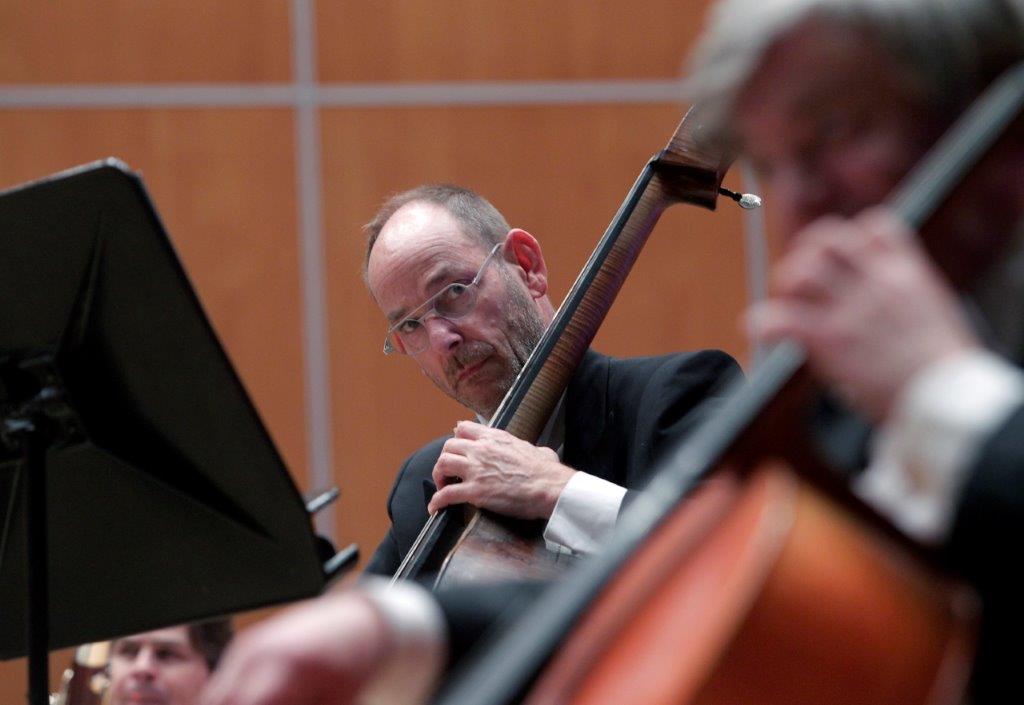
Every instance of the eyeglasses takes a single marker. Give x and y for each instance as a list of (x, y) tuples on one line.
[(454, 301)]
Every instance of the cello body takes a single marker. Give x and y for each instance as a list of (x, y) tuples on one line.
[(764, 591)]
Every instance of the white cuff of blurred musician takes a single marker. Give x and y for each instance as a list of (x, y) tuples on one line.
[(417, 627), (922, 455)]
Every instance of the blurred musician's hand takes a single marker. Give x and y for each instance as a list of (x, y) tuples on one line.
[(323, 651), (866, 302)]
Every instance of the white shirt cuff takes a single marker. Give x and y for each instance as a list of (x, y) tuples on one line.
[(584, 515), (922, 455), (420, 639)]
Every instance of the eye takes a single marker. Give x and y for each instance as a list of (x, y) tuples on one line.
[(126, 650), (407, 326), (168, 654), (455, 291)]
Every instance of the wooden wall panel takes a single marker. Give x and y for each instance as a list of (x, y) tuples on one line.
[(424, 40), (230, 210), (126, 41), (559, 172)]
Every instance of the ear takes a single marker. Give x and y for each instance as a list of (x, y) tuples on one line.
[(522, 251)]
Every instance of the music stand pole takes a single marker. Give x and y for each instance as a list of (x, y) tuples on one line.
[(32, 431), (38, 627)]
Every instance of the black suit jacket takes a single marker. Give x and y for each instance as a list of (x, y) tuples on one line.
[(986, 546), (619, 413)]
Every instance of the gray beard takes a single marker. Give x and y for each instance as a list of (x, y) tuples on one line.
[(525, 327)]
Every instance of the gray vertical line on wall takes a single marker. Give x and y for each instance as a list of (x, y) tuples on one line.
[(756, 247), (316, 352)]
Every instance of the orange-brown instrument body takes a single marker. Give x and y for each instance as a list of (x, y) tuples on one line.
[(767, 586), (763, 591)]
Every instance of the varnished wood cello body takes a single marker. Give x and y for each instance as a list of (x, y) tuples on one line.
[(771, 583)]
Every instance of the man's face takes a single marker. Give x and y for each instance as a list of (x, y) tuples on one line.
[(473, 359), (828, 124), (833, 125), (156, 668)]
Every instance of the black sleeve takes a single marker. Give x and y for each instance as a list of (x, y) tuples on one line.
[(386, 558), (700, 386), (678, 398), (471, 611), (991, 509), (985, 547), (407, 508)]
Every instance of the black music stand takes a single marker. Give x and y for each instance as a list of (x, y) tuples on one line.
[(138, 487)]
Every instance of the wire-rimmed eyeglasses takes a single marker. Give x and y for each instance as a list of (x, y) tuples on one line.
[(454, 301)]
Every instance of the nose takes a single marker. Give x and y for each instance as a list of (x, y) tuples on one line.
[(144, 665), (444, 335)]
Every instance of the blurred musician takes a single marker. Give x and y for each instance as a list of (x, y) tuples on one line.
[(833, 101)]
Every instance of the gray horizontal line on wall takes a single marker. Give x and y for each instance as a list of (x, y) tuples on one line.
[(343, 95), (501, 93), (113, 96)]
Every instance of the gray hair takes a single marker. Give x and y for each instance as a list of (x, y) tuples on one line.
[(953, 47), (478, 218)]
